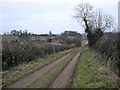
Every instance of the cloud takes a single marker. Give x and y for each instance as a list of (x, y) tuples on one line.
[(48, 14)]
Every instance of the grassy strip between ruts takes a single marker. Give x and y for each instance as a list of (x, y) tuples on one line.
[(91, 74), (22, 70), (45, 80)]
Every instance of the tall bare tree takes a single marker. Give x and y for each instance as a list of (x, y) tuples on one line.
[(84, 13), (94, 22)]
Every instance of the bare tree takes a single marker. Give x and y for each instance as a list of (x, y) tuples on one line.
[(84, 13), (101, 21), (95, 22)]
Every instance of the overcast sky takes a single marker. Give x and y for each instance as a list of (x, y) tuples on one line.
[(41, 16)]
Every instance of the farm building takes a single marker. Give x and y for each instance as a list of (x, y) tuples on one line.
[(57, 41)]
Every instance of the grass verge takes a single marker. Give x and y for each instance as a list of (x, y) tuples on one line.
[(22, 70), (91, 74), (45, 80), (0, 80)]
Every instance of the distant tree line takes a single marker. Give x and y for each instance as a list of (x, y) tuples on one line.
[(70, 33), (26, 33), (18, 32)]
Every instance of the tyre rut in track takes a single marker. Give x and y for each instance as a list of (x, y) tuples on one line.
[(64, 79), (22, 83)]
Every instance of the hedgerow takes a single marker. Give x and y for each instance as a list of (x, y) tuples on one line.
[(109, 48), (15, 53)]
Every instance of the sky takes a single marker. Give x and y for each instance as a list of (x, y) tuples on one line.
[(42, 16)]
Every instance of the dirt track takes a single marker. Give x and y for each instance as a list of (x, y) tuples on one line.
[(35, 75), (64, 79)]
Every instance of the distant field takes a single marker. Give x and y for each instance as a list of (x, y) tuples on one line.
[(14, 38), (9, 38)]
